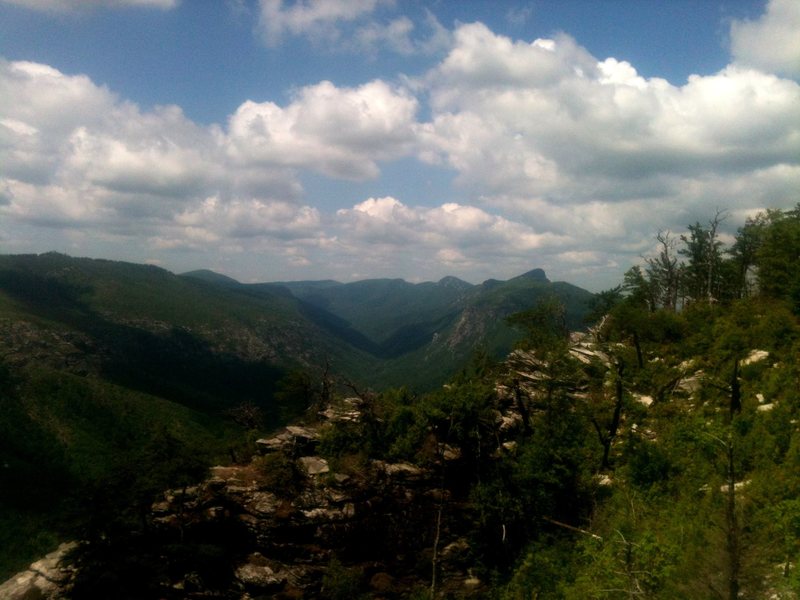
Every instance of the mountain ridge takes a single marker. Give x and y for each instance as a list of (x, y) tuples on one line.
[(376, 331), (416, 328)]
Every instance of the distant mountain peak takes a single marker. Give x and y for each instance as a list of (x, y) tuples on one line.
[(535, 274), (454, 283)]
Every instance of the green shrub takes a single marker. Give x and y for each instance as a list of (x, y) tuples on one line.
[(278, 473)]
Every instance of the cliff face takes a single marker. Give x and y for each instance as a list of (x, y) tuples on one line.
[(289, 524)]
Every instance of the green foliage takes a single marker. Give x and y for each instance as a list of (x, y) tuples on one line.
[(340, 582), (545, 567), (667, 525), (603, 302), (68, 442), (777, 257), (278, 473), (295, 393), (342, 439), (461, 415), (544, 325), (648, 464)]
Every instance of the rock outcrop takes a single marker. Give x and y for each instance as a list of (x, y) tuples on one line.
[(375, 522), (293, 523), (49, 578)]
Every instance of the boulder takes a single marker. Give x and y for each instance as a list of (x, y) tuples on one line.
[(314, 465), (46, 579)]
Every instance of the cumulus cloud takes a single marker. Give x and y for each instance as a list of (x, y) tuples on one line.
[(590, 150), (79, 5), (160, 153), (771, 42), (341, 132), (247, 218), (65, 131), (461, 236), (74, 156), (547, 119)]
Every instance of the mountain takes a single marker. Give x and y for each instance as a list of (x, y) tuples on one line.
[(179, 337), (418, 335), (116, 372), (211, 277), (425, 332), (199, 342)]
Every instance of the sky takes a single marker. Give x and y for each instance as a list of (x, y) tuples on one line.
[(280, 140)]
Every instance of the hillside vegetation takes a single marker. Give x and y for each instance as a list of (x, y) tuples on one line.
[(656, 456), (119, 380)]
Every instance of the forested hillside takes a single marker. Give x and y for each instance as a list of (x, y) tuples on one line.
[(118, 380), (419, 335)]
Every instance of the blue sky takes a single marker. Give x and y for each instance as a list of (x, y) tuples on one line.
[(366, 138)]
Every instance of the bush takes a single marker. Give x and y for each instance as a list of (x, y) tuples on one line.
[(278, 473), (340, 582)]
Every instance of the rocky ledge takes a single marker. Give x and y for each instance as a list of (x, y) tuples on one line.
[(302, 527), (50, 577), (291, 524)]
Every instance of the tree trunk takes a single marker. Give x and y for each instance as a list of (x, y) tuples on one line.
[(732, 526)]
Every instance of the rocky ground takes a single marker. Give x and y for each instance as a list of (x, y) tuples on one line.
[(290, 525)]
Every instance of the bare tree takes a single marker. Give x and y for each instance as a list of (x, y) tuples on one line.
[(664, 271)]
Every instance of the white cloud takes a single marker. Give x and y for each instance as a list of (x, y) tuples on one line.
[(250, 218), (312, 18), (402, 36), (547, 120), (64, 136), (341, 132), (73, 155), (396, 35), (79, 5), (772, 42), (539, 118), (598, 155), (160, 153), (351, 26), (463, 237)]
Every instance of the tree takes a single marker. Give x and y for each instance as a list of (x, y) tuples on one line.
[(544, 325), (702, 276), (663, 272), (744, 253), (607, 428), (602, 304), (639, 290), (778, 257)]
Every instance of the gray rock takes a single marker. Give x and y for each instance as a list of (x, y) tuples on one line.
[(46, 579), (314, 465)]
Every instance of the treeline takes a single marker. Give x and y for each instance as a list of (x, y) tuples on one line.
[(697, 267)]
